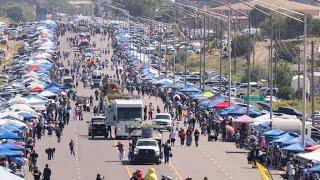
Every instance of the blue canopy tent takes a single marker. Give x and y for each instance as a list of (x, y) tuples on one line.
[(315, 168), (11, 146), (237, 110), (19, 161), (5, 134), (294, 148), (308, 141), (190, 91), (197, 97), (10, 153), (272, 134), (285, 137), (10, 127), (26, 115)]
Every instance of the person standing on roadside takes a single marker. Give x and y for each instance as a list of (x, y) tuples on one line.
[(71, 146), (46, 173), (166, 151), (182, 136), (196, 137)]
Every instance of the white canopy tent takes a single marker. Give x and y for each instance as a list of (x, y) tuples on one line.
[(5, 175), (314, 156)]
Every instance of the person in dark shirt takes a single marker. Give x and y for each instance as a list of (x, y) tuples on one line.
[(46, 173)]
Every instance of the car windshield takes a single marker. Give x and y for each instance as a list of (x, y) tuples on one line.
[(162, 117), (147, 143), (98, 121)]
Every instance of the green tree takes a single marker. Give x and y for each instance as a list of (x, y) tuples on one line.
[(141, 7), (283, 78), (14, 12), (288, 51), (256, 17), (239, 46), (256, 74)]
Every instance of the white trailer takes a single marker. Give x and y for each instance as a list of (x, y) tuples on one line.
[(121, 113)]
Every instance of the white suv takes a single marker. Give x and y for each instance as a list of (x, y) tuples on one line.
[(147, 150)]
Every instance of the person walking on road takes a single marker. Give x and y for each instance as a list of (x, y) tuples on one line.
[(182, 136), (120, 147), (166, 151), (151, 109), (71, 146), (173, 135), (49, 152), (46, 173), (151, 175), (196, 137), (189, 137), (99, 177), (96, 93), (36, 173)]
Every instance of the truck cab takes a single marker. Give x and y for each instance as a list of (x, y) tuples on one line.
[(146, 150), (97, 127), (164, 120)]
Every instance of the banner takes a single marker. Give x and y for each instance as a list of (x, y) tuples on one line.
[(264, 172)]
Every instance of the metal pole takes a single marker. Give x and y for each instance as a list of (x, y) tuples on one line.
[(159, 51), (304, 81), (204, 51), (271, 67), (200, 60), (249, 73), (220, 59), (174, 58), (185, 60), (166, 52), (229, 55), (312, 82)]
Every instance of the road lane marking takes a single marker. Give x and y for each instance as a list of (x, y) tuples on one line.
[(175, 170)]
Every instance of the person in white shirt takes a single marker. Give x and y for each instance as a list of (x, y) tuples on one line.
[(173, 135)]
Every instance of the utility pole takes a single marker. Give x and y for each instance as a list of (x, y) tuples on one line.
[(204, 51), (220, 59), (312, 82), (166, 34)]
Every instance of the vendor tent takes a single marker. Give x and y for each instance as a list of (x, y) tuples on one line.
[(244, 119), (47, 93), (312, 148), (294, 148), (285, 137), (314, 156), (315, 168), (8, 176), (222, 104), (238, 110), (10, 153), (22, 107), (308, 141), (5, 134), (11, 146)]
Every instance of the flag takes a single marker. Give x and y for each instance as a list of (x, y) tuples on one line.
[(264, 172)]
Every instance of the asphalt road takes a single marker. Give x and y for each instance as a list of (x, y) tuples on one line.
[(216, 160)]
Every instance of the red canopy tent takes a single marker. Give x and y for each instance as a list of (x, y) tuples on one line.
[(312, 148), (36, 89), (222, 104)]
